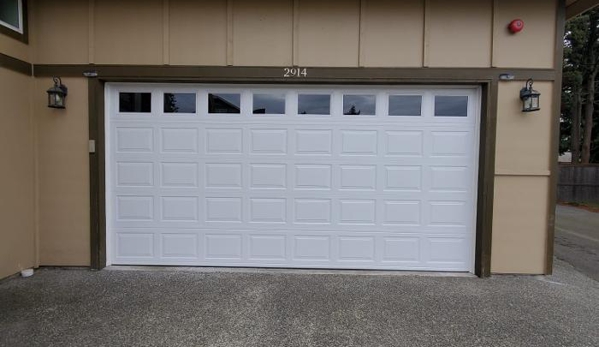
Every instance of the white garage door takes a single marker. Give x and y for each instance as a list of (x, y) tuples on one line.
[(307, 177)]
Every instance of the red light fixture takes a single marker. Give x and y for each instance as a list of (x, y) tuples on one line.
[(516, 26)]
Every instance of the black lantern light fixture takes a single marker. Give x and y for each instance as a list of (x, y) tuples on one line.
[(57, 94), (529, 97)]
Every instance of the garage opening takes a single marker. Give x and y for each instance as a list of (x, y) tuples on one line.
[(337, 177)]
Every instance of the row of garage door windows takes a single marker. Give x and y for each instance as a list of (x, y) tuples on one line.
[(308, 104)]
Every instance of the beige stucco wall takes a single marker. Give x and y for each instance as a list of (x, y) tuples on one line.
[(403, 25), (53, 26), (522, 168), (126, 32), (336, 33), (372, 33), (462, 39), (328, 33), (520, 224), (14, 48), (63, 175), (539, 18), (262, 32), (17, 174), (207, 19)]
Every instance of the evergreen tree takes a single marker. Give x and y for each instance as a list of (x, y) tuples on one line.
[(580, 70), (352, 111), (170, 103)]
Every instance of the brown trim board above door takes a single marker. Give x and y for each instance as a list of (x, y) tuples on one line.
[(17, 65), (237, 74)]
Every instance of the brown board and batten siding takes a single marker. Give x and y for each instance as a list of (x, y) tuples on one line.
[(421, 35)]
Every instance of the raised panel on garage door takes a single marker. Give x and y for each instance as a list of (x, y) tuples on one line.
[(347, 177)]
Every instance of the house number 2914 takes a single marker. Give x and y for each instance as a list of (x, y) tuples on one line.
[(295, 72)]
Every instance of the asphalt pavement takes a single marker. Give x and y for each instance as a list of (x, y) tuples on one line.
[(577, 239)]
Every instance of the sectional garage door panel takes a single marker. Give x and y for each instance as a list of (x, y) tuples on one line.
[(342, 177)]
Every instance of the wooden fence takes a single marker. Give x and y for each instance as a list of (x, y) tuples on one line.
[(578, 183)]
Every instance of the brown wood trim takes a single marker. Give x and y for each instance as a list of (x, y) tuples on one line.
[(488, 78), (14, 64), (97, 174), (579, 6), (503, 174), (24, 37), (578, 165), (486, 180), (237, 74), (555, 137), (93, 176), (486, 174)]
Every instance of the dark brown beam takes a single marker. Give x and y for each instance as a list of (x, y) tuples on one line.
[(579, 7), (15, 64), (555, 133), (231, 74)]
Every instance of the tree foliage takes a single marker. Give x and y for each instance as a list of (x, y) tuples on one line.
[(579, 92)]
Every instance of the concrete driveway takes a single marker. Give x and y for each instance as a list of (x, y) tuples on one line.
[(292, 308), (577, 239)]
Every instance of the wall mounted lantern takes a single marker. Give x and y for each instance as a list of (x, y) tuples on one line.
[(529, 97), (57, 94)]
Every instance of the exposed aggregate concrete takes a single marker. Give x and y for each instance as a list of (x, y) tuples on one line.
[(174, 307)]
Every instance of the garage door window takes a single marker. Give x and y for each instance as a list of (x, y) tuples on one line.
[(314, 104), (179, 103), (451, 106), (135, 102), (269, 104), (405, 105), (356, 105), (224, 103)]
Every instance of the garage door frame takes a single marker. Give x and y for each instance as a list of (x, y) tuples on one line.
[(488, 115)]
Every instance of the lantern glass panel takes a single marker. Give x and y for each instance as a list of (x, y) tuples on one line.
[(526, 103), (56, 100), (534, 101)]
